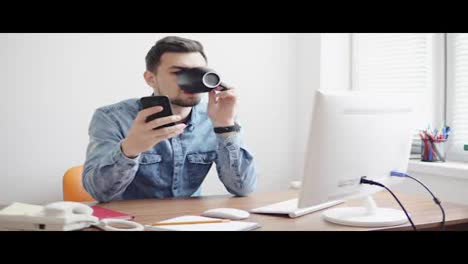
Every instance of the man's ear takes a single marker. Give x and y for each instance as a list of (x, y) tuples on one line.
[(150, 79)]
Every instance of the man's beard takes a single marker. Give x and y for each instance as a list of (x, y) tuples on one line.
[(186, 102)]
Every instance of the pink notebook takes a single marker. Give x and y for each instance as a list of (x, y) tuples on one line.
[(102, 213)]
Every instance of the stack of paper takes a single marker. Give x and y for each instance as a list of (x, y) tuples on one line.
[(225, 226)]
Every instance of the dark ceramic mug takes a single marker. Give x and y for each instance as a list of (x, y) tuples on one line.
[(199, 80)]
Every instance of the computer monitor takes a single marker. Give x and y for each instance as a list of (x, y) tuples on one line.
[(354, 135)]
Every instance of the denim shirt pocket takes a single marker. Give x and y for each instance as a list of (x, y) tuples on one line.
[(150, 158), (149, 170), (198, 166)]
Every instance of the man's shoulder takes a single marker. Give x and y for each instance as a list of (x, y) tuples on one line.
[(128, 105)]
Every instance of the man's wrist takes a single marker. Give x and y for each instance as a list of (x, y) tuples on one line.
[(124, 149), (223, 123)]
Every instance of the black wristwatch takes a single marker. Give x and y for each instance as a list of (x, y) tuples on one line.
[(234, 128)]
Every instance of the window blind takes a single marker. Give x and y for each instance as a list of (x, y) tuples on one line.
[(397, 63), (458, 90)]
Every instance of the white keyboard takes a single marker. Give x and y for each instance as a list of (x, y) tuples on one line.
[(290, 208), (284, 207)]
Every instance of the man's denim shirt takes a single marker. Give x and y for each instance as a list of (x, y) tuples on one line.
[(172, 168)]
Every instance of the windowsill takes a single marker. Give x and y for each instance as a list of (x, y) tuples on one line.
[(445, 169)]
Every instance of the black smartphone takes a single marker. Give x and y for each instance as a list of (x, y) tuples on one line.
[(159, 100)]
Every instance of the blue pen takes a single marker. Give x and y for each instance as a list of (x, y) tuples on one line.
[(430, 152)]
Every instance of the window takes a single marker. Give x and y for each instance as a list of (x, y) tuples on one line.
[(399, 63), (435, 66), (410, 63), (457, 94)]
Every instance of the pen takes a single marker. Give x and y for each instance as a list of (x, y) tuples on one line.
[(447, 132), (430, 152), (192, 222)]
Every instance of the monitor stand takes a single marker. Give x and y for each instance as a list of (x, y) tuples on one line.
[(368, 216)]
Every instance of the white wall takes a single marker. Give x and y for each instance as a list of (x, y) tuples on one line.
[(322, 63), (51, 84), (446, 187), (335, 63), (307, 74)]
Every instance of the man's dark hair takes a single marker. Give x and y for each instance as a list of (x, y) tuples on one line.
[(171, 44)]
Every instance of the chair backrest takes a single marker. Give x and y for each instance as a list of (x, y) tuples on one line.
[(73, 189)]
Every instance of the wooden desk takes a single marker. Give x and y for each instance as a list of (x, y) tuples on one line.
[(424, 212)]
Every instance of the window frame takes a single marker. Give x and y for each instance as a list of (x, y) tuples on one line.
[(453, 154)]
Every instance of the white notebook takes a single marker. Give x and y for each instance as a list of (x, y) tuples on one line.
[(227, 226)]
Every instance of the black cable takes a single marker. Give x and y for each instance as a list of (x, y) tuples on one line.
[(436, 200), (365, 181)]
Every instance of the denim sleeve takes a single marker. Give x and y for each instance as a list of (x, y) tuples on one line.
[(107, 171), (235, 165)]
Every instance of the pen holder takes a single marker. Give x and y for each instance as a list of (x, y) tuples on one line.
[(433, 150)]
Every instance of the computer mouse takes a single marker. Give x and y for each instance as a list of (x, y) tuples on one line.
[(226, 213)]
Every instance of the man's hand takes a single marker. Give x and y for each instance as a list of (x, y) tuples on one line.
[(222, 107), (142, 137)]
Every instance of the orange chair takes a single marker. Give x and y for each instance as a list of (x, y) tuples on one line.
[(73, 189)]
